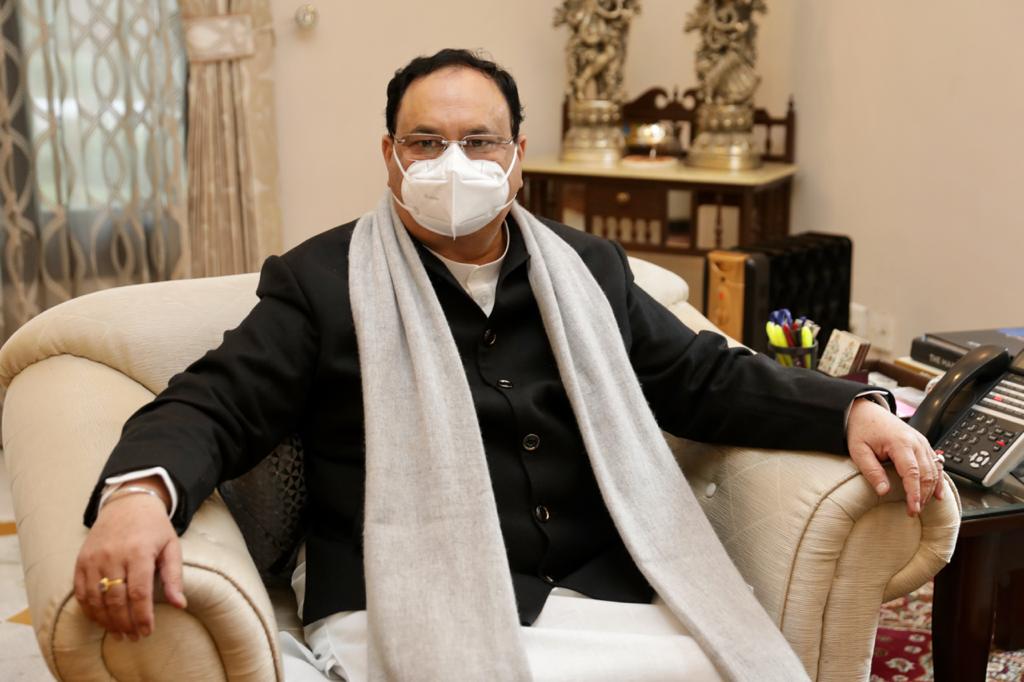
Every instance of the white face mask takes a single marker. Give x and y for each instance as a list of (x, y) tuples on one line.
[(453, 195)]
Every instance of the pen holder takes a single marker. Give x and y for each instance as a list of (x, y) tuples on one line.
[(797, 356)]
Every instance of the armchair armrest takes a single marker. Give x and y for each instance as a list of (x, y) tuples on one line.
[(820, 548), (62, 416)]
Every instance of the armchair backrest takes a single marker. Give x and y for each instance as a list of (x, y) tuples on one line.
[(150, 332)]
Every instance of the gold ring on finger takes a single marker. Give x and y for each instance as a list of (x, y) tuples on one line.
[(106, 583)]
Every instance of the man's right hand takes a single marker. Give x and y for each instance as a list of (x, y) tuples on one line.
[(132, 538)]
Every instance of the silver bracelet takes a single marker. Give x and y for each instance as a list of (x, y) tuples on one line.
[(122, 491)]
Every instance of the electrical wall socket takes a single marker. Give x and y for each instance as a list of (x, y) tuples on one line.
[(872, 325), (859, 320), (881, 330)]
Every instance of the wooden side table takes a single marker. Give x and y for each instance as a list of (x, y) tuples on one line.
[(630, 204), (981, 592)]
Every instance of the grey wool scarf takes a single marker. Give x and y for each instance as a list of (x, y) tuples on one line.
[(440, 603)]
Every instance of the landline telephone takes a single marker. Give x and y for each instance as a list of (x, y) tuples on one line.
[(975, 415)]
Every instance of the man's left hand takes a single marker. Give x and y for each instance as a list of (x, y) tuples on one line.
[(875, 435)]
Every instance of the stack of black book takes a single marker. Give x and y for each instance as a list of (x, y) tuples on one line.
[(943, 349)]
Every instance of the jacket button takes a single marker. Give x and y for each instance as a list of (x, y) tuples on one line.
[(542, 513), (548, 579), (490, 337), (504, 383), (531, 442)]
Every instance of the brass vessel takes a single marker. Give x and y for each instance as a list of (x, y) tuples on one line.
[(595, 132), (726, 138)]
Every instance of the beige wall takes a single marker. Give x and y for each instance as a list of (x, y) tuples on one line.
[(910, 134), (911, 142), (331, 90), (331, 83)]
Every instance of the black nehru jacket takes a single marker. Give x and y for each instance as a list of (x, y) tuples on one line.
[(291, 366)]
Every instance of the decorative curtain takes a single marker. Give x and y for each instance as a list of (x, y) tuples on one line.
[(92, 167), (232, 150)]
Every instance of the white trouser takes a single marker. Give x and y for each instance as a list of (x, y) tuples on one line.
[(574, 638)]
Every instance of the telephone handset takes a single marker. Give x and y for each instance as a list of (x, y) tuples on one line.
[(975, 415)]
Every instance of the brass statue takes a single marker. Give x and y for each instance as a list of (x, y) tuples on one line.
[(597, 46), (727, 80), (596, 53), (725, 60)]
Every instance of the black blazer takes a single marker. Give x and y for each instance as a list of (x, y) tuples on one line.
[(292, 366)]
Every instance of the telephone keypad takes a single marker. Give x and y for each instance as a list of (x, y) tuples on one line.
[(979, 440), (979, 459)]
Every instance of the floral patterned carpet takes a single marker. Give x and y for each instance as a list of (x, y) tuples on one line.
[(903, 645)]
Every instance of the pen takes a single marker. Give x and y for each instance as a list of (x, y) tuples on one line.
[(781, 316), (776, 338), (807, 341), (789, 334)]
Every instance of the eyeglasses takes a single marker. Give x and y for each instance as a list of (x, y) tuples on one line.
[(420, 146)]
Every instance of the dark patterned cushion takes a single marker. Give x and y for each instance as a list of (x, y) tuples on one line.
[(269, 505)]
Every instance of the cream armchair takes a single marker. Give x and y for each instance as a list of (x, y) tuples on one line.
[(821, 550)]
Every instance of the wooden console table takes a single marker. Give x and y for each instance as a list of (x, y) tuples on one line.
[(631, 204)]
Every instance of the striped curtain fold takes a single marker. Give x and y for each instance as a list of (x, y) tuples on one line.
[(233, 210)]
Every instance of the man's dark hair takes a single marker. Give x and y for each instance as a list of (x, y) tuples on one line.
[(423, 66)]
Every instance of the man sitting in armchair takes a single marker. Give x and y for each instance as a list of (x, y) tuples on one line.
[(481, 395)]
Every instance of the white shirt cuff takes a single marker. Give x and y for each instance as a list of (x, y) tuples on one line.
[(875, 394), (113, 482)]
